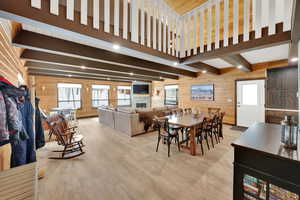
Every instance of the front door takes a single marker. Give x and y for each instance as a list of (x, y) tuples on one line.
[(250, 102)]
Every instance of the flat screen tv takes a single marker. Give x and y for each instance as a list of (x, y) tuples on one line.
[(140, 89)]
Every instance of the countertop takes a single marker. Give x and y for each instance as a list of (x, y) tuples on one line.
[(265, 138)]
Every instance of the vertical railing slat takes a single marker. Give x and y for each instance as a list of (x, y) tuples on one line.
[(202, 31), (226, 22), (195, 33), (142, 6), (246, 20), (134, 21), (257, 15), (235, 21), (107, 16), (164, 30), (173, 34), (287, 14), (148, 26), (116, 17), (170, 28), (159, 25), (83, 12), (154, 24), (54, 7), (272, 22), (188, 35), (96, 14), (217, 32), (209, 27), (70, 9), (182, 45), (125, 19), (177, 36), (36, 4)]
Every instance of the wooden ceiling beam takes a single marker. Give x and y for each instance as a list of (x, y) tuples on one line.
[(76, 76), (84, 70), (253, 44), (205, 67), (239, 62), (36, 41), (37, 56), (22, 12)]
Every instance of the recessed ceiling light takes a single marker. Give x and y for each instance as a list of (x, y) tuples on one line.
[(160, 77), (115, 46), (175, 63), (295, 59), (108, 78), (83, 67), (131, 73), (240, 67), (204, 71), (70, 75)]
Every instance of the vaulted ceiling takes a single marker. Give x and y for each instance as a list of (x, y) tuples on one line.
[(183, 6)]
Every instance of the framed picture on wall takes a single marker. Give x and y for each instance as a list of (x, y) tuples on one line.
[(203, 92)]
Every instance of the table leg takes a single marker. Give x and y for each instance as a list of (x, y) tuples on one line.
[(193, 142)]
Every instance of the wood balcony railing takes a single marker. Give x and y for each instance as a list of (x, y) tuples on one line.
[(151, 23)]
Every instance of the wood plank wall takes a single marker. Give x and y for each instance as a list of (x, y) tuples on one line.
[(224, 88), (46, 90), (10, 64)]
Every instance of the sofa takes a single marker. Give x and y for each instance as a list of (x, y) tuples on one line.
[(127, 119)]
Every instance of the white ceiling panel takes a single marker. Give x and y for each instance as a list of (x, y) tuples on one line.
[(218, 63), (268, 54)]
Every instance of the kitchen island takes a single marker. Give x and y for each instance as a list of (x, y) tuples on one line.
[(263, 168)]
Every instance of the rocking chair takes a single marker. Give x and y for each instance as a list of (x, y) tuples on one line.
[(67, 137)]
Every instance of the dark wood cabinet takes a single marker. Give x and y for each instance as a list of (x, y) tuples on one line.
[(263, 169), (281, 93)]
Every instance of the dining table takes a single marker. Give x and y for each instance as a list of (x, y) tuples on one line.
[(191, 121)]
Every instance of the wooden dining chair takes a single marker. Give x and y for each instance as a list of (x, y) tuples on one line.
[(201, 134), (188, 110), (209, 129), (220, 125), (214, 110), (215, 127), (166, 133)]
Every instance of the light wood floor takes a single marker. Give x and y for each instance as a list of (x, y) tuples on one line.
[(118, 167)]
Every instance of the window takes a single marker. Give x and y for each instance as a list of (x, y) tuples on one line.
[(100, 95), (124, 95), (171, 95), (69, 95), (249, 94)]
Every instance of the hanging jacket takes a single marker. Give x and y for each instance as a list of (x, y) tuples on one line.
[(4, 134), (27, 111), (39, 130)]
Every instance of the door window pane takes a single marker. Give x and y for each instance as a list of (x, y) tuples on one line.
[(249, 94)]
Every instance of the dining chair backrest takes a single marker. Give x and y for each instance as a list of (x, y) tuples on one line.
[(161, 124), (215, 120), (220, 118), (214, 110), (188, 110)]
